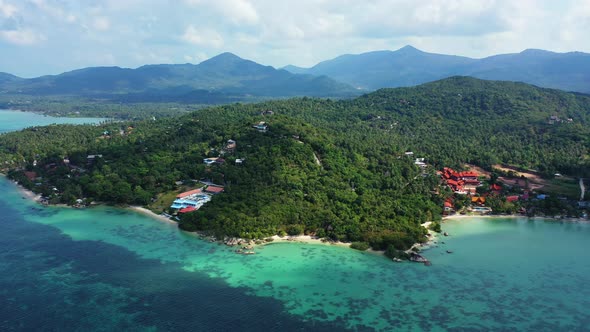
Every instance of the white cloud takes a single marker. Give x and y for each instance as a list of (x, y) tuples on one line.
[(21, 37), (203, 37), (196, 58), (236, 11), (277, 33), (7, 9), (101, 23)]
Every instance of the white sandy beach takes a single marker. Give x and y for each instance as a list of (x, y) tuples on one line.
[(151, 214), (305, 239)]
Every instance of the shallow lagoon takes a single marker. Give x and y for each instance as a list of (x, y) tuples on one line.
[(16, 120), (503, 274)]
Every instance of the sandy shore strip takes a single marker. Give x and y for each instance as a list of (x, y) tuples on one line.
[(28, 194), (304, 239), (151, 214)]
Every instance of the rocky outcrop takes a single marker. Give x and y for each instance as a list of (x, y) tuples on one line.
[(414, 257)]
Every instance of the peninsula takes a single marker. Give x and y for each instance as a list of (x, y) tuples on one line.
[(362, 171)]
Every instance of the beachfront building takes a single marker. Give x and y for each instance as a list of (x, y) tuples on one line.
[(193, 199)]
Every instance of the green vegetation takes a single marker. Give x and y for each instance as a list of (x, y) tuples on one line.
[(435, 227), (361, 188), (362, 246)]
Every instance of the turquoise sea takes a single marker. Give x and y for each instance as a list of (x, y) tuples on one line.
[(16, 120), (108, 269)]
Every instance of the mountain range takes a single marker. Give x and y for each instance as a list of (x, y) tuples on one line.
[(225, 76), (229, 78), (409, 66)]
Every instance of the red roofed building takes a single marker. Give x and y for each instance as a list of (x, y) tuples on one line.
[(512, 198), (187, 209), (495, 187), (448, 205), (468, 175), (31, 175), (188, 193), (214, 189), (458, 180)]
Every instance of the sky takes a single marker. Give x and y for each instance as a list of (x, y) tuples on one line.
[(39, 37)]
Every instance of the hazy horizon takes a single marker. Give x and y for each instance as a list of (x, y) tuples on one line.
[(40, 37)]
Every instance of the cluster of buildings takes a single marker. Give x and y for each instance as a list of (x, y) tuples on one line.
[(461, 182), (192, 200), (556, 119)]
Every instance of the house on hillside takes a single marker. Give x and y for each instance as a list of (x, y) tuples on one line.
[(230, 146), (91, 158), (211, 161), (30, 175), (261, 126), (512, 199), (496, 188), (420, 163)]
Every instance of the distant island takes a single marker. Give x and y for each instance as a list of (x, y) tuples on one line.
[(368, 171)]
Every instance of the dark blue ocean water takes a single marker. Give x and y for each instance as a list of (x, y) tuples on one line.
[(48, 282)]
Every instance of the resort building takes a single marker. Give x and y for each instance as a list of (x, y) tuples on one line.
[(461, 182), (189, 193), (214, 189), (191, 199)]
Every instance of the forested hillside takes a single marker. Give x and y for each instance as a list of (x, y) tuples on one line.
[(334, 168)]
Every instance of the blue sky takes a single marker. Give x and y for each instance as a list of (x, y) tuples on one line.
[(40, 37)]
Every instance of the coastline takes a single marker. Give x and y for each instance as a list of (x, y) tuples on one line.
[(513, 216), (149, 213), (28, 194), (308, 239)]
